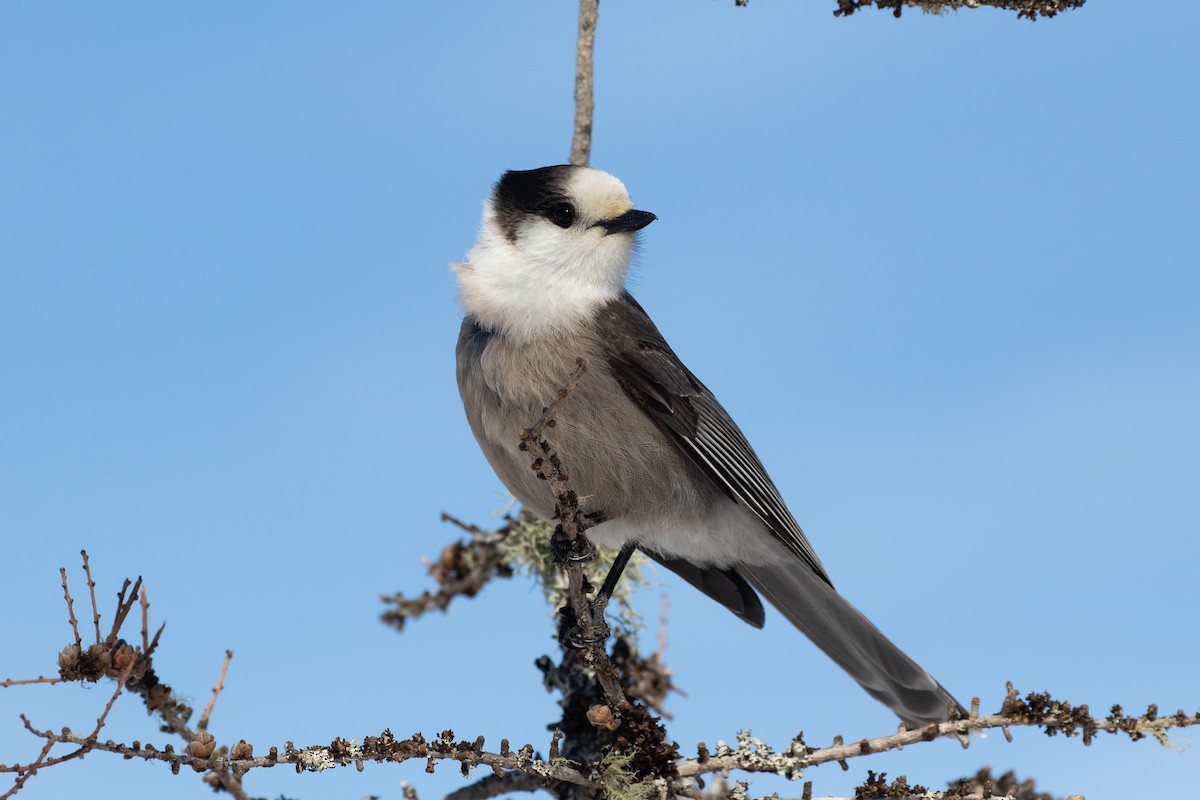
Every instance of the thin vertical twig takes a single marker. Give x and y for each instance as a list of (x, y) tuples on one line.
[(212, 701), (585, 99), (70, 606), (145, 623), (87, 570)]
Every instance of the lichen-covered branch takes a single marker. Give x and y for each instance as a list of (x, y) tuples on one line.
[(1036, 709), (522, 770), (596, 747), (876, 786), (1026, 9)]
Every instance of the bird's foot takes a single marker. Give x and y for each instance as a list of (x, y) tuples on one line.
[(570, 632), (568, 551)]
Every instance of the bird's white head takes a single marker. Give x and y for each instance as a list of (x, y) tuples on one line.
[(555, 245)]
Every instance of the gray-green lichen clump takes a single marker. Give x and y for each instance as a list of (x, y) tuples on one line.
[(526, 548)]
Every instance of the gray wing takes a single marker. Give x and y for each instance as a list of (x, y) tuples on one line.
[(665, 390)]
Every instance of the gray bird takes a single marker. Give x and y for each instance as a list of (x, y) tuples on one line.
[(652, 454)]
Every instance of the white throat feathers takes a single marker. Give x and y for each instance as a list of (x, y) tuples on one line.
[(554, 245)]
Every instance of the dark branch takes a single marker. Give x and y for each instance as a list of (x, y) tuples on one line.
[(1026, 9)]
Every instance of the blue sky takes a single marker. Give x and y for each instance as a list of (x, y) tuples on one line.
[(937, 268)]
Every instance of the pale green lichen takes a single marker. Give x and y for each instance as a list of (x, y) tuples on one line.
[(617, 779), (316, 759), (527, 549), (754, 753)]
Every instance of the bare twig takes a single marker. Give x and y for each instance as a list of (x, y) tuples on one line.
[(124, 605), (212, 701), (145, 602), (551, 411), (116, 693), (154, 642), (4, 684), (474, 530), (87, 569), (28, 771), (585, 102), (70, 606)]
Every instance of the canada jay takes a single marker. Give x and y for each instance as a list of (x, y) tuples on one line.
[(651, 453)]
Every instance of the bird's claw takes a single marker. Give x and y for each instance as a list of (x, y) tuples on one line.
[(567, 551), (570, 633)]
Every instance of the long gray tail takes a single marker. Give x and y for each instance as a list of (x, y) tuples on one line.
[(853, 642)]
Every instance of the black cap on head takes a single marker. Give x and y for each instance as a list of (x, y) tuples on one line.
[(520, 193)]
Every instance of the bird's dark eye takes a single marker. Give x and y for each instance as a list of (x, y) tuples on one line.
[(562, 214)]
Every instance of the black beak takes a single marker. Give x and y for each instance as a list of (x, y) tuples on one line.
[(628, 222)]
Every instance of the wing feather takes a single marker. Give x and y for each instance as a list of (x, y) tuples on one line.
[(666, 391)]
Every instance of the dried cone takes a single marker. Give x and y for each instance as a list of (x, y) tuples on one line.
[(69, 657), (124, 658), (602, 717), (202, 745)]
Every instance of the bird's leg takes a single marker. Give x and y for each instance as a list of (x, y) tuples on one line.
[(610, 580), (579, 549), (568, 554)]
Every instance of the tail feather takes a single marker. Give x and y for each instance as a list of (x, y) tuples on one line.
[(849, 638)]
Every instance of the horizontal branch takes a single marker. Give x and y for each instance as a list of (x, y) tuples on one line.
[(750, 755), (1027, 9), (345, 752), (1035, 710)]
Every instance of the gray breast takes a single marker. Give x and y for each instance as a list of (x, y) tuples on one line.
[(618, 462)]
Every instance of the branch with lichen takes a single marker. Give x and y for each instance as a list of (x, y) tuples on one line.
[(1026, 9), (1037, 710), (518, 547), (980, 786), (596, 748), (613, 771)]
